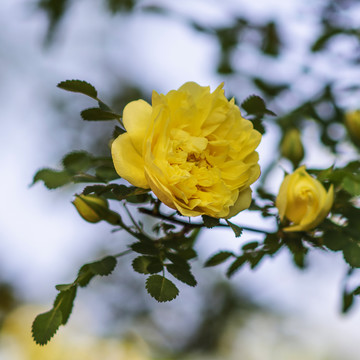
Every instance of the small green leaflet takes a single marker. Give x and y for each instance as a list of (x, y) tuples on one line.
[(209, 221), (218, 258), (147, 265), (79, 86), (97, 114), (235, 266), (46, 325), (235, 228), (182, 273), (65, 301), (255, 105), (351, 185), (161, 289), (352, 254), (52, 178)]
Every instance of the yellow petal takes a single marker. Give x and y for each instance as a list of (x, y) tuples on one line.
[(128, 162), (281, 199), (137, 118)]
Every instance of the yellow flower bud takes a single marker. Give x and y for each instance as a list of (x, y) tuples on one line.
[(352, 122), (192, 148), (91, 207), (303, 200), (291, 146)]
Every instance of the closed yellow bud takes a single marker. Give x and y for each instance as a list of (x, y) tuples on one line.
[(303, 200), (291, 147), (352, 122), (91, 207)]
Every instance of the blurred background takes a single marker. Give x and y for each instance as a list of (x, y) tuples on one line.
[(301, 57)]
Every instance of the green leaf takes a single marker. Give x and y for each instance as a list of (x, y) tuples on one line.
[(235, 266), (84, 276), (161, 288), (104, 266), (146, 248), (147, 265), (235, 228), (77, 161), (117, 132), (182, 273), (96, 114), (65, 302), (250, 246), (45, 326), (351, 185), (209, 221), (106, 173), (218, 258), (347, 301), (352, 254), (255, 105), (335, 240), (52, 178), (64, 287), (78, 86)]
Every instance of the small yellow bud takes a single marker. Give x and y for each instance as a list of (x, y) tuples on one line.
[(91, 207), (291, 147), (352, 122)]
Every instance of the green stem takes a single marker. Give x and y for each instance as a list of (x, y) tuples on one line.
[(123, 253), (195, 225)]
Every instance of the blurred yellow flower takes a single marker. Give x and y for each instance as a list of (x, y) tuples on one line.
[(352, 122), (192, 148), (303, 200), (16, 343)]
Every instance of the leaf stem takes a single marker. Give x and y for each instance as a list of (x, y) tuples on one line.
[(195, 225)]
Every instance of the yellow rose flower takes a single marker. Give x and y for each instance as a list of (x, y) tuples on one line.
[(352, 122), (192, 148), (303, 200)]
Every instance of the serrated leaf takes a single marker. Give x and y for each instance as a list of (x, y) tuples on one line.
[(65, 302), (147, 265), (79, 86), (235, 228), (84, 276), (161, 289), (177, 259), (77, 161), (104, 266), (52, 178), (96, 114), (218, 258), (235, 266), (182, 273), (254, 105), (209, 221), (45, 326)]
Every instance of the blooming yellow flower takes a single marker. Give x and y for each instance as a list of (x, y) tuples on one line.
[(352, 122), (192, 148), (303, 200)]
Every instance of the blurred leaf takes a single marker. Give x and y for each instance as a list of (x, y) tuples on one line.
[(146, 248), (79, 86), (347, 301), (65, 302), (352, 185), (268, 88), (255, 105), (235, 228), (96, 114), (218, 258), (120, 5), (77, 161), (271, 39), (147, 265), (52, 178), (107, 173), (236, 265), (321, 42), (117, 132), (45, 326), (352, 254), (182, 273), (64, 287), (209, 221), (104, 266), (250, 246), (161, 288)]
